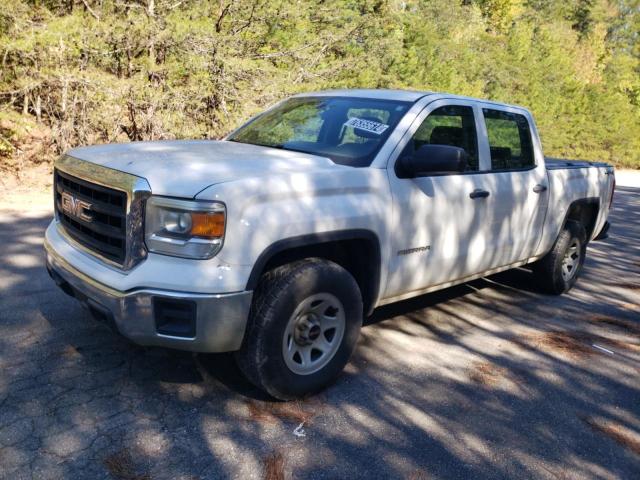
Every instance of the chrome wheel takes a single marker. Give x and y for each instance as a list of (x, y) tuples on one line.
[(571, 261), (313, 334)]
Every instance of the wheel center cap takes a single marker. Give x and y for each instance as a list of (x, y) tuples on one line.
[(307, 329), (314, 332)]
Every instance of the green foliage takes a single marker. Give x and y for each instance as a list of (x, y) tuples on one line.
[(114, 70), (499, 13)]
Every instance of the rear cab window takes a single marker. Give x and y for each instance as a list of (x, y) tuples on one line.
[(510, 142)]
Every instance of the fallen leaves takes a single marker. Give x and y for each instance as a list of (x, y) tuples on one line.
[(573, 344), (576, 344), (273, 466), (630, 306), (273, 412), (69, 352), (616, 432), (486, 373), (627, 325), (120, 465), (417, 475)]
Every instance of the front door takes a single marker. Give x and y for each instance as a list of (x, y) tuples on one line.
[(441, 227)]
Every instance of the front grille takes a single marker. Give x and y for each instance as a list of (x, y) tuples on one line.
[(104, 228)]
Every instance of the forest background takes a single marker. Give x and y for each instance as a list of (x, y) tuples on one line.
[(77, 72)]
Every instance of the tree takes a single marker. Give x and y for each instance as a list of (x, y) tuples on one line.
[(88, 71)]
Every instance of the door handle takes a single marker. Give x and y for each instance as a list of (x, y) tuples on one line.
[(479, 193), (540, 188)]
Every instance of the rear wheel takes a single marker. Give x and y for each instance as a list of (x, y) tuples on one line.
[(305, 321), (559, 269)]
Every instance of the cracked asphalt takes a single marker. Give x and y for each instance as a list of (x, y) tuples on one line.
[(486, 380)]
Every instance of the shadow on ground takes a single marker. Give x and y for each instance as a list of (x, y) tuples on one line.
[(486, 380)]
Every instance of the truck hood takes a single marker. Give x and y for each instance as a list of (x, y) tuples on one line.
[(184, 168)]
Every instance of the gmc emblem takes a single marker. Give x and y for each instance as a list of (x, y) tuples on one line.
[(75, 207)]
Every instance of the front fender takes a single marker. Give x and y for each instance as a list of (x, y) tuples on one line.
[(264, 211)]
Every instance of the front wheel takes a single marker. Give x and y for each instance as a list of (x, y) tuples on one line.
[(559, 269), (304, 324)]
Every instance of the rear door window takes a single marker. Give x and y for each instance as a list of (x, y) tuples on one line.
[(509, 140)]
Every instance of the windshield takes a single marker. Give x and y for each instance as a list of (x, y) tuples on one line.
[(349, 131)]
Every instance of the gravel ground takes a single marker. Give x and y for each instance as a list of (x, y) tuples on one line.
[(486, 380)]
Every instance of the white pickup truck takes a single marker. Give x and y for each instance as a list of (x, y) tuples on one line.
[(276, 241)]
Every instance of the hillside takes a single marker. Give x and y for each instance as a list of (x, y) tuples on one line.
[(93, 71)]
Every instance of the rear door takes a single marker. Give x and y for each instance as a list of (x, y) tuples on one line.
[(517, 181)]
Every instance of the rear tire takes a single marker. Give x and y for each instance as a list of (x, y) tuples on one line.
[(558, 270), (304, 324)]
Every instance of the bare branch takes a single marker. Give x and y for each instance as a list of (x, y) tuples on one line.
[(249, 21), (176, 5), (96, 16), (223, 12)]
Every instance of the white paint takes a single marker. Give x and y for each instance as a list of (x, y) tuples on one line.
[(605, 350), (274, 194), (299, 431)]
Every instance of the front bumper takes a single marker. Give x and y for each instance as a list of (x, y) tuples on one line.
[(218, 320)]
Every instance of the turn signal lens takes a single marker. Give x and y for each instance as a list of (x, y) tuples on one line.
[(208, 225)]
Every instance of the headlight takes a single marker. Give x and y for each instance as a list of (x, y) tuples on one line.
[(184, 228)]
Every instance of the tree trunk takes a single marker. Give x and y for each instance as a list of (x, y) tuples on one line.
[(38, 108)]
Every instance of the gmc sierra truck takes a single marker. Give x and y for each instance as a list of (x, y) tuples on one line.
[(275, 242)]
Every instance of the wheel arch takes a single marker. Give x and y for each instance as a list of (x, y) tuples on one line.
[(585, 211), (356, 250)]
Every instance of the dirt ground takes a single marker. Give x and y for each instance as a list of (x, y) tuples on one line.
[(490, 379), (32, 189)]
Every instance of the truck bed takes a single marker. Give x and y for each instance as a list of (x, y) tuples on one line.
[(557, 163), (577, 180)]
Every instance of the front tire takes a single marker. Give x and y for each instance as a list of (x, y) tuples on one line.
[(558, 271), (303, 327)]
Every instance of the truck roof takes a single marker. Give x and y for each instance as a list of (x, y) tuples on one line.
[(379, 94), (399, 95)]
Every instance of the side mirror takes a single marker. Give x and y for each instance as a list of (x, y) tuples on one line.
[(433, 160)]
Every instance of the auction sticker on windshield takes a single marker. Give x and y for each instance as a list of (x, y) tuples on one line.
[(367, 125)]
